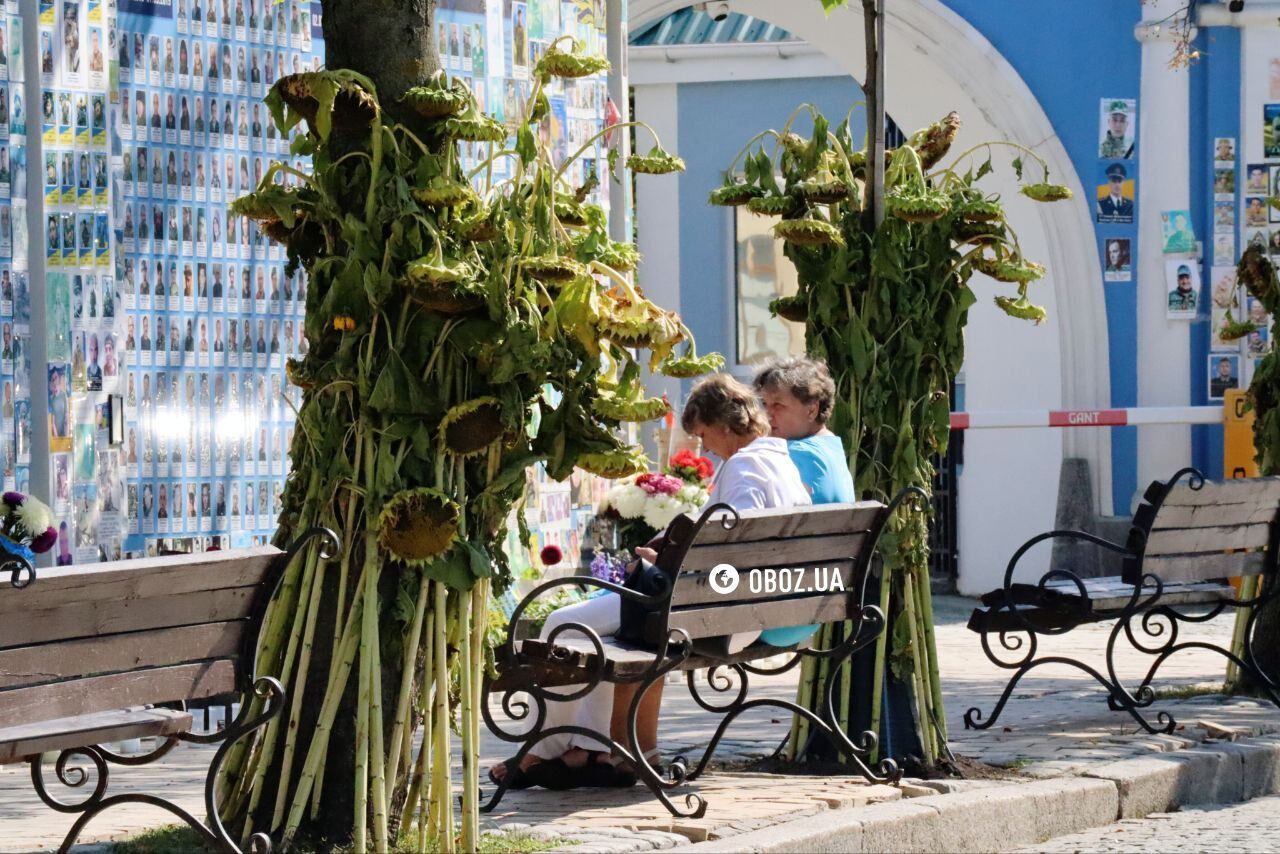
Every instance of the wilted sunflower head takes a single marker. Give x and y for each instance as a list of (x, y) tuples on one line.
[(630, 409), (1022, 308), (437, 100), (808, 232), (417, 526), (793, 308), (734, 193), (657, 162), (443, 192), (562, 63), (773, 205), (914, 204), (689, 365), (978, 210), (1046, 192), (614, 464), (552, 268), (471, 427), (474, 126)]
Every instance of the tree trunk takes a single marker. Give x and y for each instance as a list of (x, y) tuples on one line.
[(391, 42)]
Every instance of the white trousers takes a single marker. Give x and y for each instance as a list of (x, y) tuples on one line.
[(594, 710)]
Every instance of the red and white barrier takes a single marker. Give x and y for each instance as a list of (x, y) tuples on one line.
[(1087, 417)]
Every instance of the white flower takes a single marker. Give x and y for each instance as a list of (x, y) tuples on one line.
[(34, 516), (660, 510), (629, 500)]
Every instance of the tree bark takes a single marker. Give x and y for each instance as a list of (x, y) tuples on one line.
[(392, 42)]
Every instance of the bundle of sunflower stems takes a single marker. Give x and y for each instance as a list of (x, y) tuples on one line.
[(886, 307), (443, 304)]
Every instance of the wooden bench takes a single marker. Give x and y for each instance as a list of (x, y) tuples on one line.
[(796, 566), (1188, 537), (89, 655)]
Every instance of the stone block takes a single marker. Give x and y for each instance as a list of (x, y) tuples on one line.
[(1161, 783)]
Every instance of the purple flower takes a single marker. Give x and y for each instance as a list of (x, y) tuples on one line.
[(13, 499), (45, 541), (606, 567)]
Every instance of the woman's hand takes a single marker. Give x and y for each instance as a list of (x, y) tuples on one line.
[(646, 553)]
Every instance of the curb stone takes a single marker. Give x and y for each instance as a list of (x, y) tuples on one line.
[(998, 817)]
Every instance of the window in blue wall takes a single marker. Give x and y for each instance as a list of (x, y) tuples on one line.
[(762, 275)]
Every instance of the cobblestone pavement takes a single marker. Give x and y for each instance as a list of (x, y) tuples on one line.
[(1058, 724), (1252, 826)]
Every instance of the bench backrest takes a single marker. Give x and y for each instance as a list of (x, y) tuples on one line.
[(831, 543), (1223, 529), (88, 639)]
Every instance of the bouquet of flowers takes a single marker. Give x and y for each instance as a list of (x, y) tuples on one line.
[(26, 526), (641, 506)]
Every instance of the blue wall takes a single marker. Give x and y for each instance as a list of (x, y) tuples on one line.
[(1070, 63), (741, 109)]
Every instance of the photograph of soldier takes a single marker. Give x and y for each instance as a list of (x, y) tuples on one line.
[(1224, 149), (1224, 373), (1184, 288), (1116, 260), (1117, 128), (1115, 197)]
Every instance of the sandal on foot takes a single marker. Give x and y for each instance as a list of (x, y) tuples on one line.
[(515, 778), (600, 773)]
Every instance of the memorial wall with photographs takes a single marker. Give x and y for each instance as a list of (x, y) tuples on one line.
[(169, 319)]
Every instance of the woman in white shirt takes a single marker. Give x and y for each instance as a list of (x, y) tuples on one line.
[(756, 472)]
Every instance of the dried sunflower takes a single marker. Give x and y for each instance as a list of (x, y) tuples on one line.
[(734, 193), (636, 324), (267, 204), (978, 233), (794, 143), (822, 192), (656, 162), (1022, 308), (978, 210), (474, 126), (444, 192), (614, 464), (570, 212), (1045, 192), (914, 204), (690, 365), (774, 205), (1235, 329), (477, 228), (808, 232), (622, 409), (416, 526), (561, 63), (933, 143), (552, 268), (1019, 271), (435, 101), (793, 308), (622, 257), (353, 107), (297, 372), (471, 427), (435, 270)]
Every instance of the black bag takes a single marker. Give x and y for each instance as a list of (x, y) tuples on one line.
[(649, 580)]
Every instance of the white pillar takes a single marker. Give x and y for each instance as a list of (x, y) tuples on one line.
[(618, 86), (1164, 346)]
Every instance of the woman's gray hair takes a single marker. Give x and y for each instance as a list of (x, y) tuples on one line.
[(808, 380), (721, 399)]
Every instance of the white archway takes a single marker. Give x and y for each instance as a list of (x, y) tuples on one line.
[(937, 62)]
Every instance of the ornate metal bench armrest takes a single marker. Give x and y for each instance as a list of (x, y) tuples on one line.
[(22, 570), (1009, 598)]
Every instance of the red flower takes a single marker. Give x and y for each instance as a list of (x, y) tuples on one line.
[(550, 555), (691, 467)]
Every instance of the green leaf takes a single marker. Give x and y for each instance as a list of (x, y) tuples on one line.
[(830, 5), (453, 570), (481, 564), (985, 169), (1017, 167), (527, 146)]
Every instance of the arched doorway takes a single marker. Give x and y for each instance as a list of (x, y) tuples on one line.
[(937, 62)]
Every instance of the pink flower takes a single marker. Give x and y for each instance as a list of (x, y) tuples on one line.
[(550, 555), (659, 484), (45, 541)]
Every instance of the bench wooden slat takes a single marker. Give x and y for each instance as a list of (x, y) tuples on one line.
[(623, 661), (812, 521), (33, 665), (140, 579), (119, 690), (797, 551), (1236, 491), (1107, 598), (1110, 596), (694, 588), (1251, 513), (1206, 566), (702, 622), (1213, 539), (24, 740), (128, 615)]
